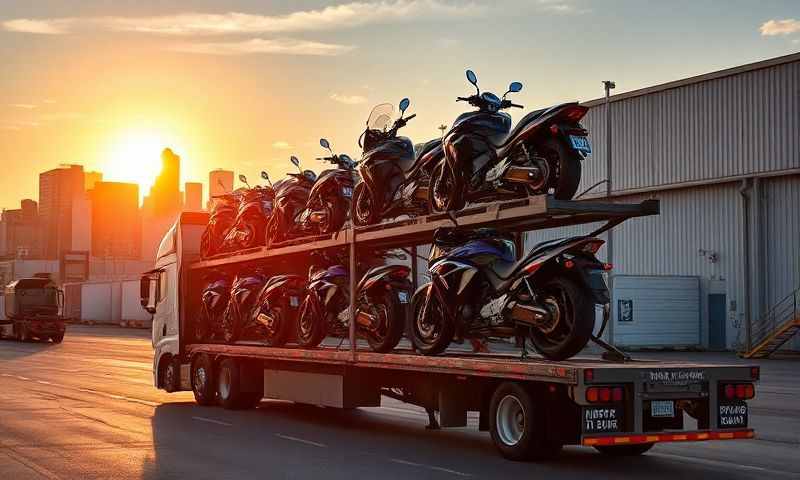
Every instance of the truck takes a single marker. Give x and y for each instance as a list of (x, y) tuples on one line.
[(33, 310), (530, 406)]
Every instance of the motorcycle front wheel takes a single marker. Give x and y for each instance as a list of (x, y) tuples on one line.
[(432, 332), (364, 211), (446, 192), (572, 319), (386, 309), (230, 327), (334, 219), (311, 327)]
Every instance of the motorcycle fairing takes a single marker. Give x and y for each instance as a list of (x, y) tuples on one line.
[(377, 274)]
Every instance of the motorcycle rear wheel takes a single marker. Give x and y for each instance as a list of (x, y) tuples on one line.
[(364, 212), (311, 328), (433, 334), (388, 308), (573, 309), (335, 219), (280, 331), (568, 169), (447, 190)]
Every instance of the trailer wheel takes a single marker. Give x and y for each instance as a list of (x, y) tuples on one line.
[(22, 333), (624, 450), (57, 338), (203, 384), (229, 386), (517, 426)]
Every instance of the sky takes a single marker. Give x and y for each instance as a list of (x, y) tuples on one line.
[(244, 84)]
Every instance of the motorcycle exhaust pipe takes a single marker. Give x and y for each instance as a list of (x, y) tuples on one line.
[(529, 314), (523, 174), (421, 193), (365, 320)]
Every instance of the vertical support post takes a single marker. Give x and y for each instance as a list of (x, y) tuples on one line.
[(353, 273), (608, 86), (414, 269)]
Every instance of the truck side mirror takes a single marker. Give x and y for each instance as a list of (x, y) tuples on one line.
[(147, 292)]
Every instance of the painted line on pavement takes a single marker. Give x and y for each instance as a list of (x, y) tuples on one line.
[(211, 420), (718, 463), (300, 440), (429, 467)]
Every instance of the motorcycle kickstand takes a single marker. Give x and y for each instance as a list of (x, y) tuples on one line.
[(433, 424), (612, 353), (524, 354)]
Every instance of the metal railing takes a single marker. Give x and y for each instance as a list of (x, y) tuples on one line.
[(786, 311)]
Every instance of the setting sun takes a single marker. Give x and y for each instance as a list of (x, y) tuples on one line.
[(135, 156)]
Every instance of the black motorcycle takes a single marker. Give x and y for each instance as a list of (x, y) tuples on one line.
[(381, 303), (238, 316), (291, 197), (394, 179), (277, 307), (223, 215), (486, 160), (479, 289), (214, 300), (255, 209)]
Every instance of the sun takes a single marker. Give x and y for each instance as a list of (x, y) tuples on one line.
[(135, 156)]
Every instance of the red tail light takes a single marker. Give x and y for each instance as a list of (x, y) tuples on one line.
[(738, 391), (569, 264), (605, 394), (400, 273), (608, 266), (575, 113)]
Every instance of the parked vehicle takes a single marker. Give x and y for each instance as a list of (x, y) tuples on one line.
[(486, 160), (224, 209), (215, 297), (255, 209), (238, 316), (382, 296), (394, 180), (276, 310), (479, 289), (32, 308), (291, 197)]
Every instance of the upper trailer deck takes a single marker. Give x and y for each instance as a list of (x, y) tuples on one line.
[(532, 213)]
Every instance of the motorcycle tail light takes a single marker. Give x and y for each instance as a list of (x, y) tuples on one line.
[(569, 264), (608, 266), (400, 273), (576, 113)]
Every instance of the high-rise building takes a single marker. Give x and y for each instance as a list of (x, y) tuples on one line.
[(219, 182), (193, 193), (19, 231), (90, 178), (116, 223), (58, 190), (165, 194)]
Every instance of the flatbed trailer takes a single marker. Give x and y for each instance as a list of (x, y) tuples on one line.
[(531, 406)]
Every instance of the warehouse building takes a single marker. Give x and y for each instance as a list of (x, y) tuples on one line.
[(721, 152)]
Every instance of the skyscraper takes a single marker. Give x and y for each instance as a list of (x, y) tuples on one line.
[(116, 224), (19, 231), (193, 193), (90, 178), (58, 190), (165, 194)]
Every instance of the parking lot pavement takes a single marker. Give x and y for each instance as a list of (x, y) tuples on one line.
[(87, 409)]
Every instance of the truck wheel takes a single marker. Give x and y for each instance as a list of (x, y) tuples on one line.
[(624, 450), (229, 386), (517, 426), (170, 375), (203, 384), (57, 338)]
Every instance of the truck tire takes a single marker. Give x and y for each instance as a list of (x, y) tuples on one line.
[(203, 382), (517, 426), (170, 374), (624, 450), (22, 333), (57, 338), (229, 387)]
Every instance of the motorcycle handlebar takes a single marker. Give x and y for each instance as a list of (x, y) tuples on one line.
[(410, 117), (462, 99), (517, 105)]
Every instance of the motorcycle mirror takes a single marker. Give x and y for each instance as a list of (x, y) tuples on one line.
[(243, 179), (324, 143), (404, 103), (264, 175), (473, 79), (515, 87), (295, 161)]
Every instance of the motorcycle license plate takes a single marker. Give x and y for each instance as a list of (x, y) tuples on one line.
[(347, 192), (403, 297), (294, 301), (662, 408), (580, 144)]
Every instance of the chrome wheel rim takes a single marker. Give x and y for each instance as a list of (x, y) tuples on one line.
[(224, 383), (510, 420), (200, 379)]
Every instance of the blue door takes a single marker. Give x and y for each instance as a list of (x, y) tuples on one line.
[(716, 321)]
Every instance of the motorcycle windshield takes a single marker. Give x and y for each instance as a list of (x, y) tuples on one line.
[(381, 117)]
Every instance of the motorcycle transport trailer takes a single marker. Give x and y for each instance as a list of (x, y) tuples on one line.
[(531, 406)]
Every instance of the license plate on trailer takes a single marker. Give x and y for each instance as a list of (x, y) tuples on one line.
[(347, 192), (403, 297), (662, 408), (294, 301), (580, 144)]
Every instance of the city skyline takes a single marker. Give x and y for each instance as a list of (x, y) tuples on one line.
[(108, 85)]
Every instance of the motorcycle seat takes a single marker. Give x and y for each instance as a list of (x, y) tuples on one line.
[(408, 164), (502, 272)]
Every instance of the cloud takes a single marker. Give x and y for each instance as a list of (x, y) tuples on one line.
[(564, 7), (26, 106), (281, 145), (786, 26), (334, 17), (281, 46), (347, 99)]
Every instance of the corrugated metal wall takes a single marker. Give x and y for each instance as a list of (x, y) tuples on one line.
[(737, 125)]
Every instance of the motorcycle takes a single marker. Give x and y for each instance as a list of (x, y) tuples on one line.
[(214, 300), (277, 307), (223, 216), (484, 159), (394, 178), (255, 209), (382, 297), (479, 289), (237, 318), (291, 197)]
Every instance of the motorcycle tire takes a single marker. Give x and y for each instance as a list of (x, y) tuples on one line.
[(576, 323), (454, 198), (368, 216), (390, 334), (426, 341), (336, 218), (311, 327), (230, 327), (278, 336), (568, 176)]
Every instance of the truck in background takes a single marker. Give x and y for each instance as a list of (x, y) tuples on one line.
[(33, 310)]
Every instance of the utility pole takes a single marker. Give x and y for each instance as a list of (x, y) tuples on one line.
[(443, 127), (609, 85)]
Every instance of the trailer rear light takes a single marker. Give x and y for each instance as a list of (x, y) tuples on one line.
[(738, 391), (608, 266), (588, 375), (604, 394)]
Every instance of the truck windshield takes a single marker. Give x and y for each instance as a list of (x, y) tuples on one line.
[(39, 297)]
